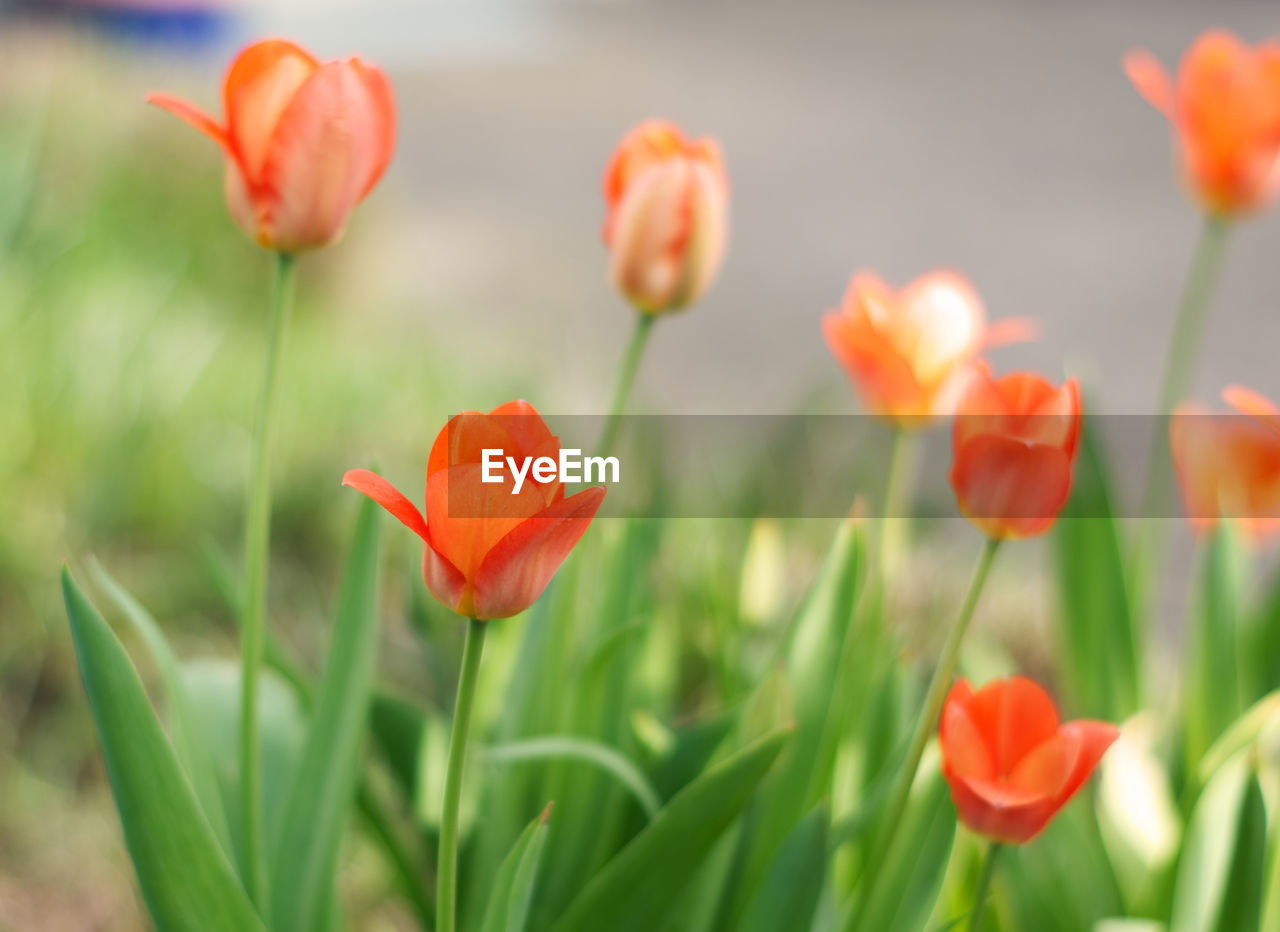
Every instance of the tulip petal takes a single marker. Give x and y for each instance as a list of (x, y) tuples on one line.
[(384, 112), (328, 143), (1150, 79), (446, 582), (389, 497), (877, 370), (189, 113), (946, 319), (1010, 330), (259, 86), (516, 571), (965, 751), (1247, 401), (1093, 738), (1014, 715), (1010, 489), (1000, 812), (467, 517)]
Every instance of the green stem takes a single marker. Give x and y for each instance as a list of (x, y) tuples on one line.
[(896, 804), (893, 522), (1179, 370), (984, 884), (256, 550), (447, 871), (627, 375)]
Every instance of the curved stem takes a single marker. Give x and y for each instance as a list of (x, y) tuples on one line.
[(447, 869), (256, 552), (1179, 368), (984, 884), (627, 375), (896, 804)]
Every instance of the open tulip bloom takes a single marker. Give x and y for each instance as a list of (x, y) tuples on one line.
[(1224, 107), (305, 141), (1010, 763), (909, 353)]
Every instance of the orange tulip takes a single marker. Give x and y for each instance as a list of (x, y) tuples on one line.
[(488, 553), (1229, 465), (1013, 444), (909, 352), (1225, 113), (1009, 762), (305, 141), (666, 226)]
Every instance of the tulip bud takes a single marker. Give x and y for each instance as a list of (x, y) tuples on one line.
[(1225, 112), (1013, 446), (666, 226), (305, 142)]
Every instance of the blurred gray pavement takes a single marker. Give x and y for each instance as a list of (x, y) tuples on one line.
[(999, 138)]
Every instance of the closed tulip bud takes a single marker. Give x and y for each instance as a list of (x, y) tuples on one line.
[(1013, 446), (909, 352), (1228, 465), (1009, 762), (304, 141), (488, 552), (666, 227), (1224, 107)]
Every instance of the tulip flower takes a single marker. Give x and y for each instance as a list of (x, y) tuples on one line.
[(1224, 108), (304, 141), (1009, 762), (667, 199), (1013, 445), (910, 352), (1228, 465), (488, 552)]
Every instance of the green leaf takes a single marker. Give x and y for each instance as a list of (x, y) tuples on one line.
[(186, 879), (1097, 626), (192, 751), (1212, 700), (788, 898), (512, 891), (324, 785), (638, 887), (907, 887), (567, 747), (812, 660), (1220, 875)]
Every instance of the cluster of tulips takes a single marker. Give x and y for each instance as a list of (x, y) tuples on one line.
[(304, 142)]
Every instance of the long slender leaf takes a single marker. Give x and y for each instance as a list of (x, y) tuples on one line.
[(513, 886), (1220, 875), (1213, 689), (907, 886), (186, 879), (788, 898), (567, 747), (324, 785), (192, 751), (1098, 629), (637, 888), (811, 663)]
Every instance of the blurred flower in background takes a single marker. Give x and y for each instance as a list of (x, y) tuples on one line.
[(1224, 107)]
